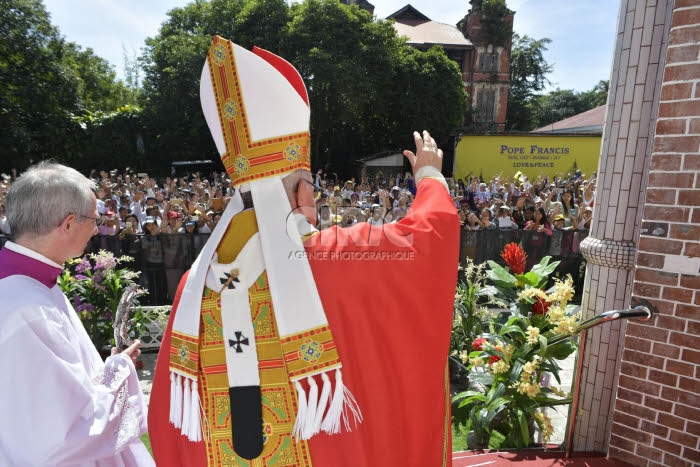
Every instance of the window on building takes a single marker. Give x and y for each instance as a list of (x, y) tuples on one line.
[(488, 61), (485, 110)]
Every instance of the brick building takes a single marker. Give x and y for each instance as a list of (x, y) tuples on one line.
[(482, 54), (639, 384), (480, 49)]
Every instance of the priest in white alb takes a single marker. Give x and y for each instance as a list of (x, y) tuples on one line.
[(61, 405)]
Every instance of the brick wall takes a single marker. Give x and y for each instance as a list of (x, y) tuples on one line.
[(656, 419)]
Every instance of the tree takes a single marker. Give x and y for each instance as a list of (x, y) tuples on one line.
[(598, 95), (37, 94), (564, 103), (365, 84), (556, 106), (45, 83), (528, 76), (98, 87)]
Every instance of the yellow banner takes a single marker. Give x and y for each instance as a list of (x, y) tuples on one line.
[(531, 155)]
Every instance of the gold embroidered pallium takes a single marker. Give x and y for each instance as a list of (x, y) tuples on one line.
[(183, 354), (279, 400), (310, 352)]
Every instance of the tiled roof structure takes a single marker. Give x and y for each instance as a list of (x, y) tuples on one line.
[(590, 121)]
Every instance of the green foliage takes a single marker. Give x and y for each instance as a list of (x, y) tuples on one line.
[(45, 82), (563, 103), (528, 76), (95, 285), (468, 315), (557, 105), (597, 96), (368, 90), (111, 135), (526, 338), (97, 85), (498, 31)]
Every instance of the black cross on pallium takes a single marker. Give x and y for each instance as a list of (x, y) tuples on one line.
[(240, 340), (229, 279)]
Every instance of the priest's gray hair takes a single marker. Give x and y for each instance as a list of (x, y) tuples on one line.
[(43, 196)]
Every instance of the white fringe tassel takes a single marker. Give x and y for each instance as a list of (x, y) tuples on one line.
[(298, 430), (322, 402), (350, 404), (186, 407), (172, 398), (342, 402), (176, 403), (311, 407), (195, 429)]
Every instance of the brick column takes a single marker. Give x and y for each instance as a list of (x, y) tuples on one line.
[(656, 418), (610, 250)]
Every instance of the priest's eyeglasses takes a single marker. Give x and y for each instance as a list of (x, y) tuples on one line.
[(96, 219), (316, 189)]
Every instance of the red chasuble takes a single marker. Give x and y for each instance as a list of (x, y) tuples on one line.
[(388, 294)]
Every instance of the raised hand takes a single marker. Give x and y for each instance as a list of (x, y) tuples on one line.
[(427, 153)]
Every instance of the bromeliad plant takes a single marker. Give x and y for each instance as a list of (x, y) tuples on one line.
[(525, 339), (95, 284)]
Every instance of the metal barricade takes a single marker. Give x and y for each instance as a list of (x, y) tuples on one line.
[(163, 259)]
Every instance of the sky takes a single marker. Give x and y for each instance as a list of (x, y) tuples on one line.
[(582, 32)]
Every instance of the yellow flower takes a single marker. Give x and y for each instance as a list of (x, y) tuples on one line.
[(482, 313), (531, 293), (533, 335), (464, 356), (559, 392), (567, 325), (453, 353), (476, 361), (499, 367), (508, 351), (555, 313), (545, 425), (531, 389), (530, 368), (563, 291)]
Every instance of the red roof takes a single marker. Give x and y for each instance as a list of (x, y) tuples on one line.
[(588, 121)]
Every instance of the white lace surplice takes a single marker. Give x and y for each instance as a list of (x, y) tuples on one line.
[(60, 404)]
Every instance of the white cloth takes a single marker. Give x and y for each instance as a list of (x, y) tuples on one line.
[(61, 405), (242, 357), (4, 226)]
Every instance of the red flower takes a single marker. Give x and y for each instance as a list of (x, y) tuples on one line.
[(478, 342), (514, 256), (540, 307), (493, 359)]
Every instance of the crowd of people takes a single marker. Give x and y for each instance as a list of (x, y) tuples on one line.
[(547, 204), (133, 203), (563, 202)]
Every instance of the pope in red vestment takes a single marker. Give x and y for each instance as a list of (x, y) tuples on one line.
[(387, 292)]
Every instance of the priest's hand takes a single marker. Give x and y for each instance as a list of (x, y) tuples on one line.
[(427, 153), (133, 351)]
